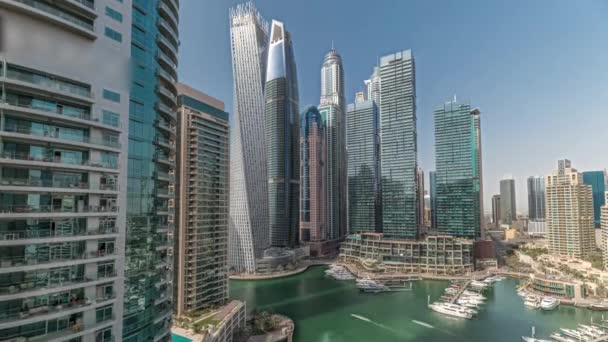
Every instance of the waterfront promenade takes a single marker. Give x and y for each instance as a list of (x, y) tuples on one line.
[(302, 267)]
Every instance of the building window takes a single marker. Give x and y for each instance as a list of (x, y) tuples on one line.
[(111, 95), (103, 314), (111, 118), (113, 34), (114, 14)]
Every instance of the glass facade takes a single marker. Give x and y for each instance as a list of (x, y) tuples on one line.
[(363, 168), (458, 170), (282, 122), (399, 145), (433, 186), (536, 198), (151, 172), (597, 180), (508, 209)]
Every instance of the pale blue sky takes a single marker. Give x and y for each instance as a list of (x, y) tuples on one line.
[(537, 69)]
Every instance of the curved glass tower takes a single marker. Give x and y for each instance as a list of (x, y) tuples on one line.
[(151, 171), (332, 110), (248, 224), (282, 138)]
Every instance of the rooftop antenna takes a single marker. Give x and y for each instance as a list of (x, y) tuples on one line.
[(454, 97), (332, 44)]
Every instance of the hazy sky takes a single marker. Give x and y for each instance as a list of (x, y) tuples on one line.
[(537, 69)]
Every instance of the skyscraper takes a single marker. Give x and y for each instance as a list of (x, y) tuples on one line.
[(604, 235), (282, 138), (63, 169), (459, 170), (597, 180), (433, 186), (372, 87), (202, 215), (248, 234), (536, 198), (398, 145), (313, 184), (363, 168), (332, 109), (151, 171), (496, 210), (569, 212), (508, 212), (420, 195)]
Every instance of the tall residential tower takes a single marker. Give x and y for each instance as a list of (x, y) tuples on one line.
[(508, 209), (569, 212), (597, 180), (282, 127), (248, 233), (332, 109), (398, 145), (536, 198), (363, 168), (459, 170), (64, 113), (203, 167)]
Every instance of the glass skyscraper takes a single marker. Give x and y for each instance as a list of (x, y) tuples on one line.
[(597, 180), (398, 145), (332, 109), (248, 234), (282, 126), (536, 198), (433, 190), (458, 170), (363, 168), (151, 171), (313, 184), (508, 209)]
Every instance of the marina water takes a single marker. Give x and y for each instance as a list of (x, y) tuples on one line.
[(328, 310)]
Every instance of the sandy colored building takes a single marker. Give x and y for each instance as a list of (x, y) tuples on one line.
[(569, 211)]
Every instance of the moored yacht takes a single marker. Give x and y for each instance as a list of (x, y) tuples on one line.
[(549, 303)]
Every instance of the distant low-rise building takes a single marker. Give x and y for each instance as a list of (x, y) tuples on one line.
[(555, 287), (435, 254), (537, 228)]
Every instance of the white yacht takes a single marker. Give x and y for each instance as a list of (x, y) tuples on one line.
[(451, 310), (573, 333), (549, 303)]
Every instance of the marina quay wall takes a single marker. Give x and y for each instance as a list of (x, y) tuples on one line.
[(435, 254), (561, 288)]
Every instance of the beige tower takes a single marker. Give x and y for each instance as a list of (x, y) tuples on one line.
[(569, 211), (604, 220)]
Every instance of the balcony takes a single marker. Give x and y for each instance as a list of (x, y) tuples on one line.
[(164, 109), (164, 25), (25, 184), (24, 211), (51, 136), (167, 46), (56, 15), (36, 236), (49, 84), (170, 63), (165, 75), (165, 126), (31, 262), (165, 176), (168, 94), (168, 13), (64, 162), (164, 142)]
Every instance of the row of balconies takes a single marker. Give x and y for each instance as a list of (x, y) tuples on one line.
[(59, 160), (49, 183)]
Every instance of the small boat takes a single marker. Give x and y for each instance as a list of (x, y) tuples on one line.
[(598, 307), (549, 303), (560, 338), (452, 310), (573, 333), (533, 338)]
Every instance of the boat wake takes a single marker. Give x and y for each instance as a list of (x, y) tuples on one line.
[(423, 324), (379, 325)]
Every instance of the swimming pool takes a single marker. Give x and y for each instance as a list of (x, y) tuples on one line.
[(179, 338)]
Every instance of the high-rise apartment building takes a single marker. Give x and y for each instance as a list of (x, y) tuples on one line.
[(496, 210), (398, 145), (202, 213), (313, 184), (569, 212), (363, 168), (597, 180), (536, 198), (433, 194), (420, 195), (508, 209), (248, 234), (63, 150), (604, 235), (372, 87), (458, 170), (151, 170), (282, 127), (332, 110)]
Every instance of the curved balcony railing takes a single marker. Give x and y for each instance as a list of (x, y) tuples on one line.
[(50, 133), (165, 26), (42, 6), (172, 48), (49, 83), (59, 160), (30, 260), (164, 9)]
